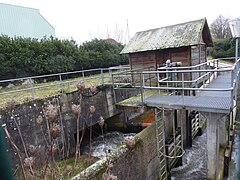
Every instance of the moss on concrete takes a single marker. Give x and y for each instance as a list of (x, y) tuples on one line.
[(136, 100)]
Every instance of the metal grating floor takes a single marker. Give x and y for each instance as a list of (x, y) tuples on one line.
[(207, 101)]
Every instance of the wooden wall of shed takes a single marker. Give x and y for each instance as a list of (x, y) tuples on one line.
[(198, 55), (182, 54), (142, 59), (158, 58)]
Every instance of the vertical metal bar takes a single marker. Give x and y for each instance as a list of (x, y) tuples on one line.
[(150, 83), (114, 93), (143, 82), (174, 134), (181, 111), (61, 85), (102, 77), (183, 88), (214, 68), (141, 86), (83, 75), (32, 87), (110, 74), (232, 85), (158, 76), (167, 77)]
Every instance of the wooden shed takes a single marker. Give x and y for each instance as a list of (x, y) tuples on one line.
[(185, 42)]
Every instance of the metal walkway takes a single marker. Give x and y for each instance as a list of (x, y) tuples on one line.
[(207, 101), (209, 87)]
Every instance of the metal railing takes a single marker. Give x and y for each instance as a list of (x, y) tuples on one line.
[(180, 79), (60, 80)]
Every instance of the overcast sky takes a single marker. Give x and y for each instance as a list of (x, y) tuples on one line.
[(83, 20)]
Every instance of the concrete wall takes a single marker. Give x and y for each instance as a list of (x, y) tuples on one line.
[(141, 163), (36, 134)]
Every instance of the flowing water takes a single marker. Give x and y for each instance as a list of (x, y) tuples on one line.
[(194, 161), (234, 165), (110, 141)]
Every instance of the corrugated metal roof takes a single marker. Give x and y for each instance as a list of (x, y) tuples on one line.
[(185, 34), (23, 21)]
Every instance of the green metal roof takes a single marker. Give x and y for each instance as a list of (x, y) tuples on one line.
[(24, 22), (185, 34)]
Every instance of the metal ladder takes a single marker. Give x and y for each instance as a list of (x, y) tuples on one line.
[(160, 137)]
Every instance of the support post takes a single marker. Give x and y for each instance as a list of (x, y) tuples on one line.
[(183, 119), (215, 137), (189, 129), (223, 131)]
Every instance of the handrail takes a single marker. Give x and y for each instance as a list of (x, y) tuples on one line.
[(65, 73), (60, 82), (189, 71), (173, 78), (190, 67), (135, 71)]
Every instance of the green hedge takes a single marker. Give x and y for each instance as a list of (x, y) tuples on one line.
[(21, 57), (222, 48)]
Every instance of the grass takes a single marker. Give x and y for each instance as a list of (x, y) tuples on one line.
[(136, 100), (45, 90), (63, 169), (82, 164), (229, 62)]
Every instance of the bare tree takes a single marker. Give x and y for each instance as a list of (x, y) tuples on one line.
[(117, 34), (220, 28)]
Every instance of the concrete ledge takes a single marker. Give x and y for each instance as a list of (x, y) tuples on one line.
[(139, 163)]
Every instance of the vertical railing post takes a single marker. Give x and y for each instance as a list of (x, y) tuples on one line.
[(214, 62), (114, 93), (232, 85), (236, 50), (32, 87), (61, 85), (110, 74), (83, 77), (158, 79), (102, 77), (183, 88), (167, 78), (195, 86), (141, 85), (150, 79)]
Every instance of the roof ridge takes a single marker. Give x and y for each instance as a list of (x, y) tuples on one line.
[(203, 19), (173, 36)]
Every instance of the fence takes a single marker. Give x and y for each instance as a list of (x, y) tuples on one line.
[(37, 87)]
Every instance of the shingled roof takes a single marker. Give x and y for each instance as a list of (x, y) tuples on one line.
[(24, 22), (184, 34)]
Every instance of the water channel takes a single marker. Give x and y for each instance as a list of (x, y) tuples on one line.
[(195, 164), (101, 146), (194, 160)]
